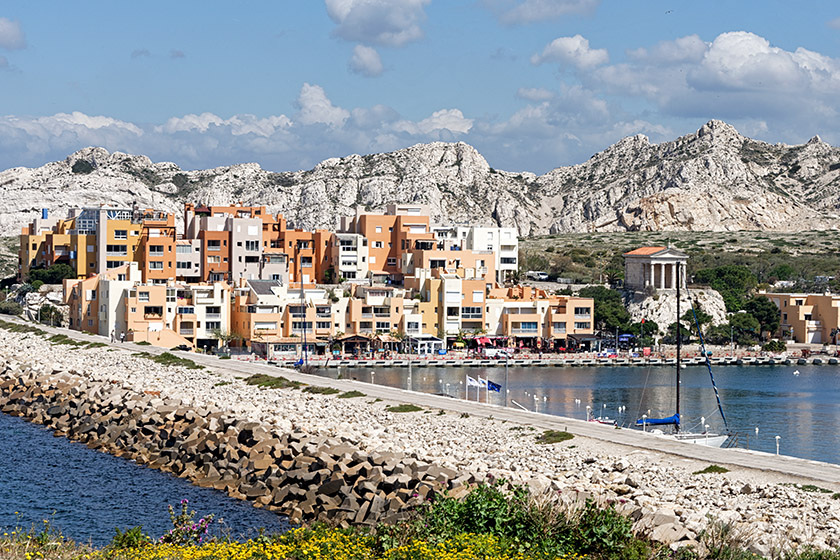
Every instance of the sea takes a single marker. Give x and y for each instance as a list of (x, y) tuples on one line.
[(87, 494), (798, 403)]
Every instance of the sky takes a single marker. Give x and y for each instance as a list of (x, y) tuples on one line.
[(532, 84)]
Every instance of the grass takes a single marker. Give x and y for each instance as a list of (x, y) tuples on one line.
[(314, 389), (403, 408), (351, 395), (143, 343), (168, 359), (712, 469), (554, 436), (271, 382), (221, 383), (808, 488)]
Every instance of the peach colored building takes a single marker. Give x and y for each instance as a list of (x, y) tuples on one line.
[(811, 318)]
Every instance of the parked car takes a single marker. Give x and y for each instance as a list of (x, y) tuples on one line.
[(538, 275)]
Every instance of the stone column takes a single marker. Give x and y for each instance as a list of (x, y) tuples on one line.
[(674, 276), (661, 276)]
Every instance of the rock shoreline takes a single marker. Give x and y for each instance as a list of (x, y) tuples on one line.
[(351, 461)]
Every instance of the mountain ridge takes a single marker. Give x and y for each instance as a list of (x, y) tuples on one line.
[(712, 180)]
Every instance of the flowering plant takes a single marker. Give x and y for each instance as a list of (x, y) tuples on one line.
[(185, 530)]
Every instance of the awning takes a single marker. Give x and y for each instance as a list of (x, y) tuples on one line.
[(458, 344), (483, 340)]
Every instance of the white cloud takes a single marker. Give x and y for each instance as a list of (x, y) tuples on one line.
[(835, 23), (11, 35), (688, 49), (366, 61), (315, 107), (571, 51), (237, 125), (391, 23), (518, 12), (534, 94)]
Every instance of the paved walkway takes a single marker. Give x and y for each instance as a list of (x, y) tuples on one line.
[(815, 471)]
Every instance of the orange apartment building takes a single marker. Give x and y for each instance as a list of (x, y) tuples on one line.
[(156, 253)]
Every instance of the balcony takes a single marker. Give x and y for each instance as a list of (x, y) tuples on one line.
[(211, 316), (585, 316), (186, 332)]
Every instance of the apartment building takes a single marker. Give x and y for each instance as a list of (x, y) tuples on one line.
[(95, 303), (811, 318), (156, 252), (502, 243), (389, 235)]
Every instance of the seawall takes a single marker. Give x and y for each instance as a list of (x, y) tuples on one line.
[(302, 476)]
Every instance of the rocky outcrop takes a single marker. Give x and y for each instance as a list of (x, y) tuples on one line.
[(712, 180), (661, 306)]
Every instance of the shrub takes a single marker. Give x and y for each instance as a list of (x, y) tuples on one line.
[(131, 538), (270, 382), (320, 390), (36, 285), (403, 408), (185, 530), (554, 436), (10, 308), (712, 469), (351, 395)]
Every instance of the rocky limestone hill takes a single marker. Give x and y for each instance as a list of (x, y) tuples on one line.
[(712, 180), (662, 307)]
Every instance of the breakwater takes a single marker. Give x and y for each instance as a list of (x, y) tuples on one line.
[(669, 496), (301, 476)]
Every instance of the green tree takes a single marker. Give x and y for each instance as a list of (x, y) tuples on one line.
[(765, 312), (52, 275), (733, 282), (746, 328), (703, 318), (783, 272), (609, 311), (671, 335)]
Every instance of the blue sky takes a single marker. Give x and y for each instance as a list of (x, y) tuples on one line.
[(532, 84)]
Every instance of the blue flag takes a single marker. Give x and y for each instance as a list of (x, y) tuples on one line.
[(493, 386)]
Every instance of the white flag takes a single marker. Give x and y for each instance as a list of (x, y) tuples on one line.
[(482, 382), (471, 382)]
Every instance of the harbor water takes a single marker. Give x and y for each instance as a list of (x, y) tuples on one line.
[(803, 409), (86, 494)]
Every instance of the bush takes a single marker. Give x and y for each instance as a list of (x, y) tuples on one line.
[(36, 285), (775, 346), (10, 308)]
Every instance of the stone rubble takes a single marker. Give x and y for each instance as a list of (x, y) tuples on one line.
[(349, 460)]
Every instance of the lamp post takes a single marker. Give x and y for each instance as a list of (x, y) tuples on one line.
[(302, 300), (507, 387), (777, 444)]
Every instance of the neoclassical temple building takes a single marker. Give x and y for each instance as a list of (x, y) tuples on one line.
[(654, 267)]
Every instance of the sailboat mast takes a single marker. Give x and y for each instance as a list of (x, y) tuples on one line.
[(679, 347)]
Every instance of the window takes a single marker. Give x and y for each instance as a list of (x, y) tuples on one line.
[(372, 259), (300, 325), (559, 327), (265, 325), (155, 265), (306, 261), (582, 312), (526, 326), (183, 249), (90, 294), (383, 326), (377, 244), (143, 296), (116, 250), (471, 312), (120, 234), (134, 310), (378, 229), (214, 245), (185, 310), (582, 325), (156, 250), (90, 249), (183, 265), (213, 325), (252, 245), (413, 326), (153, 310), (392, 261), (322, 324), (111, 264), (214, 259)]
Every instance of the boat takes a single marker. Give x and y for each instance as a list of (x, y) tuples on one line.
[(699, 438)]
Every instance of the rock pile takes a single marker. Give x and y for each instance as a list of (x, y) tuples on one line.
[(305, 477)]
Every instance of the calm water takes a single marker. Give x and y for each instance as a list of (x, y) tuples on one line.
[(87, 493), (802, 409)]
